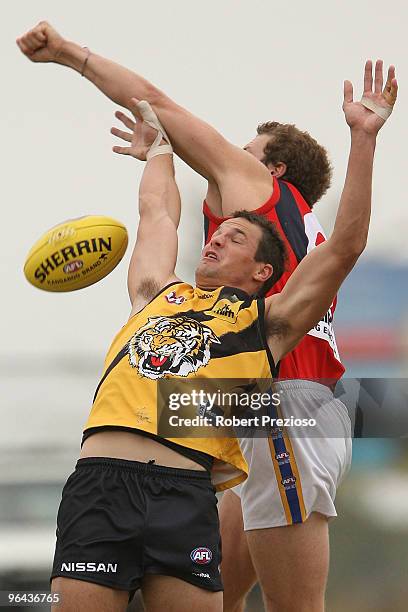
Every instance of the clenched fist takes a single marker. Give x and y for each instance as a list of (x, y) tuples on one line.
[(41, 44)]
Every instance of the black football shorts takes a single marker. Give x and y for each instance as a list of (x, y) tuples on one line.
[(120, 520)]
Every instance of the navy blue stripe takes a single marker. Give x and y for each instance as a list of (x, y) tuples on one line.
[(286, 472), (292, 222), (206, 228)]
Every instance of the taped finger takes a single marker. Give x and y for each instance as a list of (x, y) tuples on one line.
[(382, 111)]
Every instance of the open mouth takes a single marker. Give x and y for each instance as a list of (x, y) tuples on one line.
[(211, 255), (155, 363)]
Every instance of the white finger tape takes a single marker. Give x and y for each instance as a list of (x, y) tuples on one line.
[(150, 117), (381, 111)]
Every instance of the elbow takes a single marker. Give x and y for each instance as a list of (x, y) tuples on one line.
[(358, 247), (349, 260), (348, 252)]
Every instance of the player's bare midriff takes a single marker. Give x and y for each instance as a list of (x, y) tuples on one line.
[(134, 447)]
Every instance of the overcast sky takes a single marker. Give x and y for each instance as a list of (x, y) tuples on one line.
[(233, 62)]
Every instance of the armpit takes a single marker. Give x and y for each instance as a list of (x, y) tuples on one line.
[(148, 288), (276, 327)]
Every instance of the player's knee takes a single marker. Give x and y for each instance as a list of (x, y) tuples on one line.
[(294, 600)]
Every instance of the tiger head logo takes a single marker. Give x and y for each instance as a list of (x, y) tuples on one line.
[(177, 346)]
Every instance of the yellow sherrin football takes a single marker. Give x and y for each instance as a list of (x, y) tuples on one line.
[(76, 253)]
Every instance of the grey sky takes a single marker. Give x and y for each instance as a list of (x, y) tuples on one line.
[(234, 63)]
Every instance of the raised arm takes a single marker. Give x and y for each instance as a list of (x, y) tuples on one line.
[(310, 290), (154, 257), (238, 174)]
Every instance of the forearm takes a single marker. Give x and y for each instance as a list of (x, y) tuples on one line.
[(155, 254), (239, 176), (158, 192), (350, 232), (115, 81), (197, 143)]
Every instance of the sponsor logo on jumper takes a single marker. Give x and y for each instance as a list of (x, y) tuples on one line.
[(205, 296), (324, 330), (73, 251), (201, 555), (200, 575), (226, 309), (328, 318), (282, 458), (289, 483), (172, 298), (89, 566)]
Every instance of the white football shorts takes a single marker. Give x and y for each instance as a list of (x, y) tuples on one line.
[(296, 470)]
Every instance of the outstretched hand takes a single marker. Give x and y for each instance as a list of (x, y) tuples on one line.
[(357, 115), (41, 44), (140, 137)]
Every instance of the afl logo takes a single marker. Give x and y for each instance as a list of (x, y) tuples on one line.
[(73, 266), (276, 433), (282, 458), (289, 483), (201, 555)]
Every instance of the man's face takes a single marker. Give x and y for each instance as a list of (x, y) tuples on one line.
[(229, 257), (257, 146)]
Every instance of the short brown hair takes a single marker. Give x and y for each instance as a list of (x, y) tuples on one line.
[(271, 248), (308, 165)]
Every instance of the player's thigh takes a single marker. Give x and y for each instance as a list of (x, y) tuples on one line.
[(78, 595), (237, 570), (175, 595), (292, 562)]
